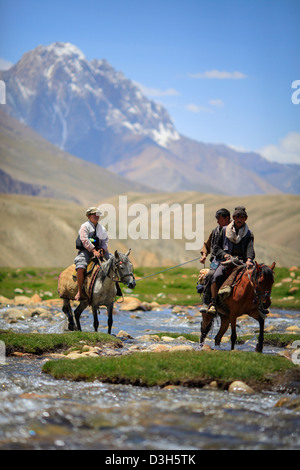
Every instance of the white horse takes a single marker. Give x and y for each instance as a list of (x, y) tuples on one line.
[(117, 268)]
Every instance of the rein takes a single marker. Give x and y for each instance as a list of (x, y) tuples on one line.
[(168, 269), (117, 275), (258, 296)]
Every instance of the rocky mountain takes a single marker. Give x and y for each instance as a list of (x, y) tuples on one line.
[(90, 110)]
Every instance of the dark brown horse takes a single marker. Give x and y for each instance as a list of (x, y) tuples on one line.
[(250, 295)]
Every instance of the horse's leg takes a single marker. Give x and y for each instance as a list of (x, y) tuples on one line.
[(223, 328), (109, 317), (233, 334), (78, 311), (95, 315), (69, 313), (259, 346), (207, 320)]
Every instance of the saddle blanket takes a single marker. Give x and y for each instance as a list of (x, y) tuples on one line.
[(67, 286)]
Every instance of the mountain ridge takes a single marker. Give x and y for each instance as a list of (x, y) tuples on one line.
[(90, 110), (33, 166)]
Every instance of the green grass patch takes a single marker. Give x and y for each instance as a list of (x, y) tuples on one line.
[(190, 368), (176, 286), (281, 295), (30, 280), (36, 343)]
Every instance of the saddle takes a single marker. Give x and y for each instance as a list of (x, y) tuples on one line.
[(88, 271), (230, 281)]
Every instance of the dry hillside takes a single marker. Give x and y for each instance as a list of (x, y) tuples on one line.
[(41, 232), (27, 159)]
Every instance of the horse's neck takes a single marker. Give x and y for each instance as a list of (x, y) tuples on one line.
[(109, 269), (246, 281)]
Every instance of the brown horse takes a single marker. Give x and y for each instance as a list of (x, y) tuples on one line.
[(250, 295)]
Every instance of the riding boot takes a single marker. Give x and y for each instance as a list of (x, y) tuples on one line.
[(205, 301), (212, 307)]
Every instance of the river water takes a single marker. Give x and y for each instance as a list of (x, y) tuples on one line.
[(39, 412)]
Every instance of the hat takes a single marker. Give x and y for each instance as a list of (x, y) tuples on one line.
[(222, 213), (93, 210), (240, 210)]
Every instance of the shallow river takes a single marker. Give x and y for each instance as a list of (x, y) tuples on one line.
[(39, 412)]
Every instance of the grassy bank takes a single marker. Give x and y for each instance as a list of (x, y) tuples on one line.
[(189, 368), (35, 343), (175, 287)]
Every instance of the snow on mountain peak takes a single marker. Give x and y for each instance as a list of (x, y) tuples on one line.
[(64, 50), (65, 97)]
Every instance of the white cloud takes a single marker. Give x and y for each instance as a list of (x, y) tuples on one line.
[(194, 108), (156, 92), (5, 65), (217, 102), (288, 150), (219, 75)]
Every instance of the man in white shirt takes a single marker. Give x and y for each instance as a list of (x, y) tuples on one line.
[(92, 241)]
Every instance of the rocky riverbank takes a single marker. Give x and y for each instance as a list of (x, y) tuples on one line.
[(32, 314)]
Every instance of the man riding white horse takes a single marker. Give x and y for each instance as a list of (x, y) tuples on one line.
[(92, 241)]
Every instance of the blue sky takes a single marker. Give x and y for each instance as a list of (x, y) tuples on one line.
[(222, 68)]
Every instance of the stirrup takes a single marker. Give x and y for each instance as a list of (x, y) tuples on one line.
[(212, 308)]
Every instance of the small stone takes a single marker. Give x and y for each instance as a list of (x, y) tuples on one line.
[(206, 347), (22, 300), (293, 329), (291, 403), (131, 304), (240, 387), (213, 384), (36, 299), (167, 339), (293, 290), (160, 348), (123, 334), (177, 309), (181, 347), (73, 355)]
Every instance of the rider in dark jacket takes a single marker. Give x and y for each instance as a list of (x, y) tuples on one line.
[(235, 240), (223, 219)]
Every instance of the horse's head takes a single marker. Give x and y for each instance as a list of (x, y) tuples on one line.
[(125, 269), (264, 282)]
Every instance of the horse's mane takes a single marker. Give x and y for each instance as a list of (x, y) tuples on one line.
[(267, 272)]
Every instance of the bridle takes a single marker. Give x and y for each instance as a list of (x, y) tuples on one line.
[(259, 296), (114, 266), (120, 275)]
